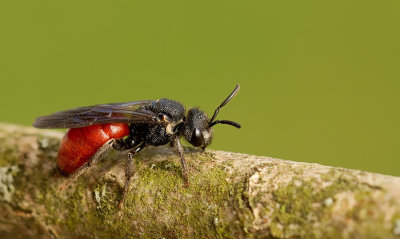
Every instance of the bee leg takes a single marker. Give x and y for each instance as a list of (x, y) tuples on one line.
[(130, 170), (99, 154), (180, 152)]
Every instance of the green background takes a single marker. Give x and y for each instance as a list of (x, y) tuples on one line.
[(319, 79)]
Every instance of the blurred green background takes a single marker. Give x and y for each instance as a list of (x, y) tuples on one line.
[(319, 79)]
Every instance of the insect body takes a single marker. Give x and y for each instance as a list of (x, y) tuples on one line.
[(130, 127), (80, 144)]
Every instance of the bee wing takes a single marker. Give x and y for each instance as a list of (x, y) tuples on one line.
[(130, 112)]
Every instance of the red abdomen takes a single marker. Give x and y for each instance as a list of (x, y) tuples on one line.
[(80, 144)]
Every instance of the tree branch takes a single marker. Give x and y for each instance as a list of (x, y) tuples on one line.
[(231, 195)]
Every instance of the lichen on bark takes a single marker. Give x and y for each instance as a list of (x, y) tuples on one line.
[(230, 195)]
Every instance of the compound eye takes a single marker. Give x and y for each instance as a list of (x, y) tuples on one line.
[(197, 138), (197, 133)]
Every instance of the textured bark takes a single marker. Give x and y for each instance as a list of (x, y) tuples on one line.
[(231, 195)]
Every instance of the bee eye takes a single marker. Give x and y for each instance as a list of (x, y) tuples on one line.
[(197, 132), (197, 138)]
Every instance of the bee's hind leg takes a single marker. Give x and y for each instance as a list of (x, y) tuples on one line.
[(130, 170), (95, 158)]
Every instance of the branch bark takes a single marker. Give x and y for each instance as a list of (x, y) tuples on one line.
[(231, 195)]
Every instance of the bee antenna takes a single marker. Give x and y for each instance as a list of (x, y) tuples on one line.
[(229, 122), (226, 101)]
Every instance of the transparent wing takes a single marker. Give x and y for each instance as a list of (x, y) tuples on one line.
[(130, 112)]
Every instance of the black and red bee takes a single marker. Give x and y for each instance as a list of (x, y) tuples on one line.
[(131, 126)]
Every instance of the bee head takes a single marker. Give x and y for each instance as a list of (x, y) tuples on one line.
[(197, 129)]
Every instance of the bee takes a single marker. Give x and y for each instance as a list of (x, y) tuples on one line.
[(130, 127)]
